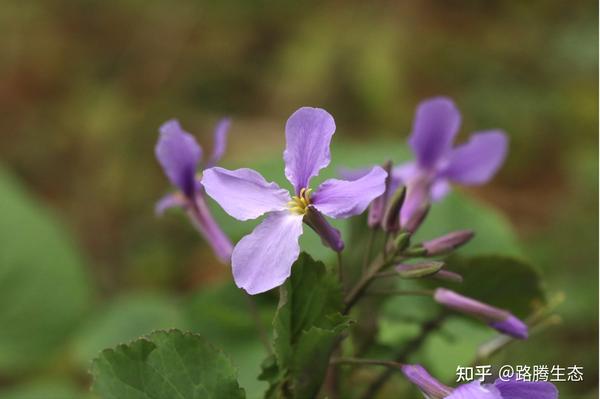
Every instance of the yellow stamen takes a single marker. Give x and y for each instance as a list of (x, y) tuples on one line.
[(299, 203)]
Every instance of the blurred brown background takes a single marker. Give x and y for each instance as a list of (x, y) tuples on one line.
[(86, 84)]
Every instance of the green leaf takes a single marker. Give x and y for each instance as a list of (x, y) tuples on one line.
[(307, 324), (43, 286), (165, 365), (124, 319)]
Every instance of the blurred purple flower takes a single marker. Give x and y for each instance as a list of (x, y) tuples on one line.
[(496, 318), (437, 163), (263, 259), (512, 389), (180, 155)]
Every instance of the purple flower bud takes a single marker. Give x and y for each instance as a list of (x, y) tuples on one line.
[(496, 318), (330, 236), (426, 383), (377, 208), (448, 242)]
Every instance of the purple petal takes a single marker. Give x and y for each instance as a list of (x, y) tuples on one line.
[(436, 123), (220, 141), (172, 200), (474, 390), (308, 133), (526, 390), (477, 161), (342, 198), (244, 193), (426, 383), (179, 154), (263, 259), (439, 189), (352, 174)]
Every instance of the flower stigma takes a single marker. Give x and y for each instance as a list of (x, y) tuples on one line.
[(299, 203)]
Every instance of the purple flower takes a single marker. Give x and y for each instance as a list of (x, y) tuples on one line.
[(496, 318), (512, 389), (263, 259), (179, 155), (437, 163)]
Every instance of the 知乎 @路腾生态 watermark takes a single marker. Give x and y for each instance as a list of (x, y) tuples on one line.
[(543, 372)]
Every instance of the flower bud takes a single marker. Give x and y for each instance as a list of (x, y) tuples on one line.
[(447, 243), (447, 275), (419, 270), (377, 208), (391, 218), (431, 387), (496, 318)]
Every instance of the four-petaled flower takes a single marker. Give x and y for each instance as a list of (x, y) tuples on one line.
[(263, 259), (511, 389), (437, 163), (180, 155)]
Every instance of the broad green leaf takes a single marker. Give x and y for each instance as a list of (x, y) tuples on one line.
[(124, 319), (165, 365), (307, 323), (43, 287)]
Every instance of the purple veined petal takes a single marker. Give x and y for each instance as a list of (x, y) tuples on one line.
[(171, 200), (435, 125), (476, 161), (308, 134), (220, 141), (263, 259), (475, 390), (244, 193), (425, 382), (514, 389), (179, 155), (343, 198)]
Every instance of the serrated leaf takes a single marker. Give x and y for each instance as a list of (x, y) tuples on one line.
[(165, 365), (307, 323)]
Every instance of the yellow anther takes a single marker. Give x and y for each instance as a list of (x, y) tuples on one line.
[(299, 203)]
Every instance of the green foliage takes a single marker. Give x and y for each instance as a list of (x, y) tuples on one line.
[(165, 365), (502, 281), (307, 324), (43, 288)]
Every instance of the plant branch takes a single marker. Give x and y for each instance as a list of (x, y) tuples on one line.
[(401, 357), (366, 362)]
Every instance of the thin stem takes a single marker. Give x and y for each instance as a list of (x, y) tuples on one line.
[(401, 357), (369, 249), (356, 292), (340, 268), (260, 328), (366, 362)]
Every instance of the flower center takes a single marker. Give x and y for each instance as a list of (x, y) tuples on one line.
[(299, 203)]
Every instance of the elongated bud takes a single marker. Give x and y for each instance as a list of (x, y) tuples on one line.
[(447, 243), (419, 270), (416, 219), (431, 387), (447, 275), (416, 206), (496, 318), (377, 208), (391, 219), (401, 242), (330, 236)]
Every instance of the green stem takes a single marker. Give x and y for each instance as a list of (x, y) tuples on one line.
[(356, 292), (366, 362), (401, 292), (369, 249)]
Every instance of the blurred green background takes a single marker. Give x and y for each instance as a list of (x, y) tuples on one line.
[(85, 85)]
